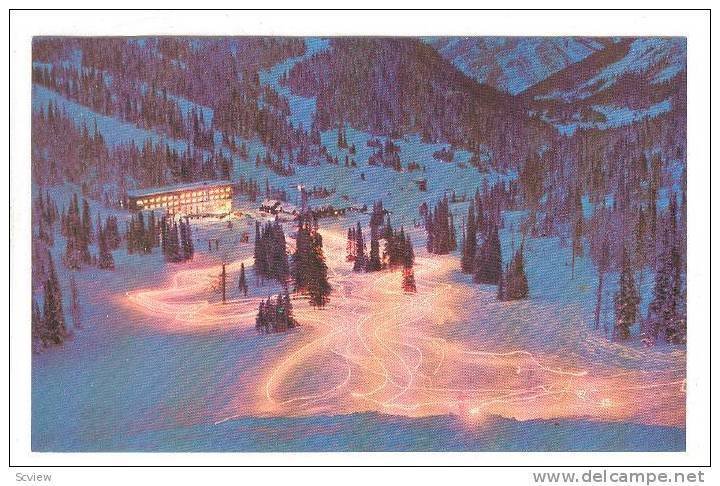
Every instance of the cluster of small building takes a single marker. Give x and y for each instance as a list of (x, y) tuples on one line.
[(275, 207)]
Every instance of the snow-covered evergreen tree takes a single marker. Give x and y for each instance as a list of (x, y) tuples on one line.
[(374, 264), (242, 281), (514, 282), (467, 263), (75, 309), (54, 331), (105, 257), (360, 262), (627, 300), (318, 286), (488, 260)]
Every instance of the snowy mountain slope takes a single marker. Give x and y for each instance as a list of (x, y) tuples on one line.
[(402, 86), (513, 64), (114, 131), (352, 187), (655, 61), (302, 109), (631, 80), (575, 83)]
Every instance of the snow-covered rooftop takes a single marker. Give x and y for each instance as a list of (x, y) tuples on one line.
[(178, 187)]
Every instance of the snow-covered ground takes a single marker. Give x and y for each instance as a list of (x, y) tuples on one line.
[(614, 117), (369, 432), (161, 364)]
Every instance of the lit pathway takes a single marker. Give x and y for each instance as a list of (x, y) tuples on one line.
[(375, 348)]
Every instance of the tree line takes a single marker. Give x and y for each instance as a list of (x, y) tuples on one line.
[(397, 250)]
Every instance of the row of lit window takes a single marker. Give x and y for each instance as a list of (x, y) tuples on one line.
[(220, 190), (184, 198), (179, 206), (167, 204), (173, 205)]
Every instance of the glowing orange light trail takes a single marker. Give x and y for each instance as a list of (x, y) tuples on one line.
[(376, 348)]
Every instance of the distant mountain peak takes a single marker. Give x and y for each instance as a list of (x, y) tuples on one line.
[(513, 64)]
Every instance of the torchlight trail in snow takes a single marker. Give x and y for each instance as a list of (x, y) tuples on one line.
[(377, 348)]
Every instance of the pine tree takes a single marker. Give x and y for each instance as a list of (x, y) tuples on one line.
[(351, 245), (75, 304), (408, 283), (271, 260), (577, 241), (71, 258), (259, 253), (429, 228), (278, 258), (142, 235), (75, 231), (601, 256), (45, 231), (98, 223), (189, 246), (275, 314), (105, 258), (242, 281), (151, 235), (451, 228), (223, 281), (54, 331), (261, 323), (289, 309), (37, 330), (467, 262), (514, 282), (129, 238), (173, 244), (665, 314), (480, 219), (641, 245), (318, 286), (627, 300), (408, 259), (374, 263), (660, 309), (301, 257), (408, 253), (501, 287), (440, 229), (388, 231), (164, 235), (488, 261), (87, 229), (181, 239), (360, 262), (186, 243), (391, 251)]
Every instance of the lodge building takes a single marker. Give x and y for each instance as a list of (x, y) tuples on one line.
[(207, 198)]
